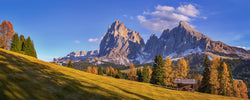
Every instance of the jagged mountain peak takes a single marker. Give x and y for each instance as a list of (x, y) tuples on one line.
[(118, 28)]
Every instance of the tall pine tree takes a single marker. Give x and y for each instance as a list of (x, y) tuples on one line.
[(205, 85), (70, 64), (16, 44), (145, 75), (100, 70), (158, 71), (139, 74)]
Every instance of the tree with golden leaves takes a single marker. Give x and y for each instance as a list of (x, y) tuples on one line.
[(169, 75), (107, 70), (236, 88), (94, 70), (132, 74), (149, 72), (243, 90), (89, 69), (214, 81), (182, 70), (6, 34), (226, 85)]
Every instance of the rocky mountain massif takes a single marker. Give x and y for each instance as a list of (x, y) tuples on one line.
[(122, 46)]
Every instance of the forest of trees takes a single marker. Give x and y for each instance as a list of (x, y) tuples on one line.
[(22, 45), (216, 79), (11, 41)]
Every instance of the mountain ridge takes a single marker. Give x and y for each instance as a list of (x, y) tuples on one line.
[(120, 45)]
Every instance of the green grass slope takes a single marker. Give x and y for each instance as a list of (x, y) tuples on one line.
[(25, 77)]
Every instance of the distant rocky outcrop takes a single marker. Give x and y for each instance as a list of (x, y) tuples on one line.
[(120, 45), (79, 55)]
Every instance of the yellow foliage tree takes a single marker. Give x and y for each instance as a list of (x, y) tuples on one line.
[(214, 82), (169, 75), (236, 88), (227, 86), (182, 70), (89, 69), (94, 70), (132, 74), (149, 72), (107, 70), (243, 90)]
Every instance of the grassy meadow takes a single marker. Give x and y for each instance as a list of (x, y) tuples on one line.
[(24, 77)]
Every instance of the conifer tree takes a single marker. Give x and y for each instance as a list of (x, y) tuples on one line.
[(195, 75), (33, 50), (145, 74), (158, 71), (243, 90), (214, 81), (236, 89), (107, 70), (182, 69), (132, 74), (22, 40), (100, 70), (89, 69), (149, 73), (205, 85), (119, 74), (139, 74), (226, 85), (70, 64), (169, 75), (16, 44), (94, 70), (27, 48)]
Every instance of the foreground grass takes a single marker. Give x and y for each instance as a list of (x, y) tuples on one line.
[(24, 77)]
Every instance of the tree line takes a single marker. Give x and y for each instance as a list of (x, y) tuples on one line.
[(11, 41), (218, 79), (22, 45)]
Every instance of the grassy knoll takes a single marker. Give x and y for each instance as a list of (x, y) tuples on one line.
[(25, 77)]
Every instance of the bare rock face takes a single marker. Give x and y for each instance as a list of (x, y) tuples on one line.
[(123, 46), (183, 40), (119, 40)]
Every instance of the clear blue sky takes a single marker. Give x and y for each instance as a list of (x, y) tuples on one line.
[(58, 27)]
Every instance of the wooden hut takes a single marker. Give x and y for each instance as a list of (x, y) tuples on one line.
[(186, 84)]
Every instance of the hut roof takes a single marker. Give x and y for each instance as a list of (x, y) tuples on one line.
[(186, 81)]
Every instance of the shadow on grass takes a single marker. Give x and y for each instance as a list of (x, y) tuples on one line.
[(21, 78)]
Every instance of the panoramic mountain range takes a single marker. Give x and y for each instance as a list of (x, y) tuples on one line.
[(121, 45)]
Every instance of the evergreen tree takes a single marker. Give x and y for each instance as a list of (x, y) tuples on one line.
[(15, 45), (195, 75), (100, 71), (139, 74), (145, 75), (119, 74), (28, 47), (205, 85), (158, 71), (70, 64), (33, 50), (22, 40)]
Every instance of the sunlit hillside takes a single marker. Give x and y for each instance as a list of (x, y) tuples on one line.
[(24, 77)]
